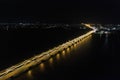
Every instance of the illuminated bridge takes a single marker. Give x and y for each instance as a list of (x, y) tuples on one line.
[(15, 70)]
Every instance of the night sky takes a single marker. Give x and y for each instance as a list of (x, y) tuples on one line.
[(75, 11)]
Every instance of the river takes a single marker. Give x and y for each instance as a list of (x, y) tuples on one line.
[(94, 58)]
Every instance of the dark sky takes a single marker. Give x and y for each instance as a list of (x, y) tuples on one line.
[(93, 11)]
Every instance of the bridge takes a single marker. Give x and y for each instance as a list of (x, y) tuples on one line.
[(15, 70)]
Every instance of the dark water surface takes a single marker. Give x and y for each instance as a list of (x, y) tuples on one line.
[(19, 45), (95, 58)]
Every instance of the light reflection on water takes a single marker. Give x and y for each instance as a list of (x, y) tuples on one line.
[(71, 47), (29, 74), (64, 54), (42, 67), (51, 62), (58, 56), (68, 50), (74, 45)]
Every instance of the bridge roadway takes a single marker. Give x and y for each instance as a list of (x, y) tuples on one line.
[(15, 70)]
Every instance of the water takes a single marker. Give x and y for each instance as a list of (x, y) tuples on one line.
[(21, 44), (95, 58)]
